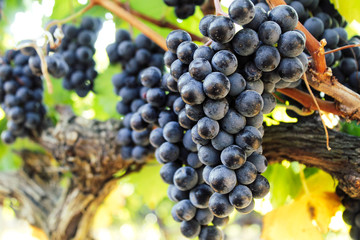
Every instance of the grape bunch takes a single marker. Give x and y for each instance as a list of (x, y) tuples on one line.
[(322, 20), (56, 65), (21, 94), (225, 90), (269, 52), (328, 24), (346, 69), (176, 150), (77, 50), (184, 8), (134, 57), (351, 215)]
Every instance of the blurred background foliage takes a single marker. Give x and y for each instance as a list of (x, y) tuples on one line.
[(139, 208)]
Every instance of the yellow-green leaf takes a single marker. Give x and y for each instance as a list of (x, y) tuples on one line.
[(308, 217)]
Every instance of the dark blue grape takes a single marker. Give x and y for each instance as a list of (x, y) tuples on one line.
[(315, 26), (222, 140), (245, 42), (8, 137), (199, 68), (190, 229), (249, 103), (185, 51), (216, 85), (204, 24), (200, 195), (209, 156), (259, 18), (188, 142), (166, 116), (242, 11), (177, 69), (249, 139), (260, 187), (193, 93), (169, 58), (185, 210), (224, 61), (173, 132), (177, 195), (204, 216), (184, 11), (175, 38), (267, 58), (285, 16), (233, 157), (221, 29), (168, 170), (169, 152), (220, 206), (237, 84), (185, 178), (193, 161), (204, 52), (194, 112), (222, 179), (246, 174), (247, 209)]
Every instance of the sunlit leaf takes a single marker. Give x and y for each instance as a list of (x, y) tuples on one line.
[(307, 217), (349, 9)]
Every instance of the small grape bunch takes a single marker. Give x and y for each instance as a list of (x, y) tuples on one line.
[(184, 8)]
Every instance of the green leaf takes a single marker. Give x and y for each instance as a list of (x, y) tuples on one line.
[(284, 181), (352, 128), (104, 104), (349, 9), (149, 185)]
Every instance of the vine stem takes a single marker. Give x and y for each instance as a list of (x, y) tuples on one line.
[(315, 48), (68, 19), (347, 102), (318, 108), (307, 101), (342, 48), (128, 17), (298, 111), (44, 68), (218, 9)]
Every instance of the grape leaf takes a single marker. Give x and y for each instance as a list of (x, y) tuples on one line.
[(151, 188), (277, 175), (349, 9), (306, 218)]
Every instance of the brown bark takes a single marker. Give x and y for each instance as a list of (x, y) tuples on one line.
[(305, 142), (87, 150)]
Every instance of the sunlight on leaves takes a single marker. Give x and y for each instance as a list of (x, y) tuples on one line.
[(308, 216)]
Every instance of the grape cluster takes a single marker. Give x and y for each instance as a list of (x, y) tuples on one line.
[(225, 90), (76, 51), (184, 8), (346, 69), (134, 57), (177, 151), (351, 215), (21, 94), (326, 23), (268, 50)]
